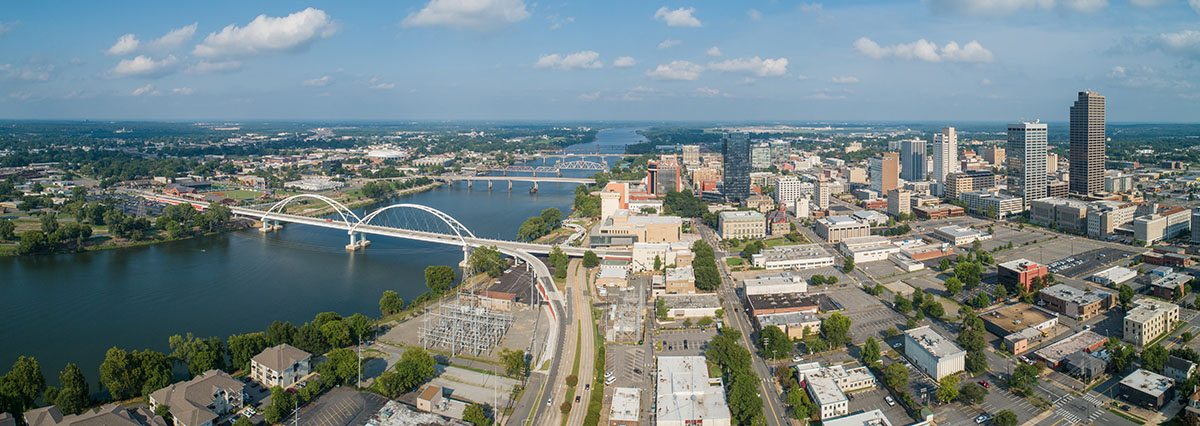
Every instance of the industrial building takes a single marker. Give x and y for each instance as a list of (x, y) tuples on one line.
[(937, 356), (777, 283), (1076, 303), (870, 248), (1021, 326), (958, 235), (1146, 389), (806, 256), (1114, 276)]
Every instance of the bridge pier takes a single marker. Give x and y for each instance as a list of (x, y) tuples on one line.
[(534, 189), (466, 262), (489, 185), (268, 227), (361, 242), (510, 186), (470, 183)]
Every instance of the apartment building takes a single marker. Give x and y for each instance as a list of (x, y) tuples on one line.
[(1148, 319), (742, 224)]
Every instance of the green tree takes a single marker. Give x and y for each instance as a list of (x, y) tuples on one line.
[(282, 403), (477, 414), (309, 339), (242, 347), (836, 330), (658, 264), (947, 389), (552, 217), (774, 342), (336, 333), (154, 370), (73, 395), (976, 362), (590, 260), (340, 367), (902, 304), (359, 325), (280, 332), (1154, 358), (848, 265), (49, 223), (953, 285), (559, 261), (488, 260), (415, 367), (25, 383), (514, 362), (660, 309), (895, 375), (1023, 379), (1125, 295), (1000, 292), (439, 278), (945, 265), (33, 242), (1120, 355), (242, 421), (934, 308), (391, 303), (972, 393), (7, 227), (1006, 418), (532, 229), (119, 374), (870, 351)]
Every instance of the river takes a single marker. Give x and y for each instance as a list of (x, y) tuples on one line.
[(73, 307)]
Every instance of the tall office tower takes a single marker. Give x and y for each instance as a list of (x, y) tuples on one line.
[(822, 193), (1027, 160), (691, 154), (760, 156), (1051, 163), (787, 189), (945, 156), (780, 151), (736, 152), (912, 153), (885, 172), (1087, 144)]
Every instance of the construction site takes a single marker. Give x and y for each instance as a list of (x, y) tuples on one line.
[(468, 323)]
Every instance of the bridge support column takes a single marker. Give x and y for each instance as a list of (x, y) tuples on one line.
[(357, 243), (489, 185), (535, 187), (466, 262), (269, 226), (510, 186), (470, 183)]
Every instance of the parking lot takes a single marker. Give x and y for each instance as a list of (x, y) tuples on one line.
[(341, 407), (632, 367), (868, 316), (873, 399), (688, 342), (1086, 263), (1002, 235), (880, 269)]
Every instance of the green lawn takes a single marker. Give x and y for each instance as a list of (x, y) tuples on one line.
[(734, 261), (776, 242), (239, 195)]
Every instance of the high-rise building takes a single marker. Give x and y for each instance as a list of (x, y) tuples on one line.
[(691, 154), (912, 152), (945, 156), (885, 173), (780, 150), (787, 189), (1027, 160), (899, 201), (1051, 163), (822, 193), (760, 156), (1087, 144), (736, 152), (994, 155)]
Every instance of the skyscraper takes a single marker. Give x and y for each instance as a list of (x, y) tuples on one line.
[(1087, 144), (885, 172), (912, 153), (945, 156), (1027, 160), (736, 153)]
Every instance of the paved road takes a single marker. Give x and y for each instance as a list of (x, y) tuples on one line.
[(583, 306), (773, 407)]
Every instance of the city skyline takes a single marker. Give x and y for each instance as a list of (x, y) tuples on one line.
[(516, 60)]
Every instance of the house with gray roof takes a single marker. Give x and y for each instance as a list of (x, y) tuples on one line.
[(108, 415), (202, 400), (281, 365)]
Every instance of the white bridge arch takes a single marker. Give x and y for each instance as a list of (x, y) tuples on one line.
[(340, 208), (460, 230)]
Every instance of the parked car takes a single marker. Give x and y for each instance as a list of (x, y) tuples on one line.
[(549, 401), (984, 383), (891, 402), (610, 380), (797, 358), (982, 418)]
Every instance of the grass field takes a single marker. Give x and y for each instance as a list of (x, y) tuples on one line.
[(239, 194)]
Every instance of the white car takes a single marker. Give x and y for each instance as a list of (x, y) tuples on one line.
[(610, 380), (797, 358), (982, 419), (608, 374), (890, 401)]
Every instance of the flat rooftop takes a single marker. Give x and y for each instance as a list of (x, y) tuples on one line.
[(1014, 318), (1020, 265), (958, 231), (740, 215), (1078, 296), (935, 344), (787, 319), (1147, 309), (1148, 382), (685, 392), (782, 301), (691, 301), (626, 405), (685, 273), (805, 251), (840, 220), (1074, 343), (869, 418)]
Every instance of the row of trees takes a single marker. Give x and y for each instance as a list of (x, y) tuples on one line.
[(704, 266), (52, 237), (741, 383), (537, 226)]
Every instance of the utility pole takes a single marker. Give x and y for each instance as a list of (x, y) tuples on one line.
[(359, 382)]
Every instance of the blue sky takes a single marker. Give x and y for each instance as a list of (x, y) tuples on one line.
[(931, 60)]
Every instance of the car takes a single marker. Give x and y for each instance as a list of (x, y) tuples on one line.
[(1087, 327), (549, 401), (797, 358), (576, 398), (984, 383), (587, 386), (685, 344), (897, 345), (291, 391), (608, 374), (891, 402), (610, 380), (982, 418), (637, 371)]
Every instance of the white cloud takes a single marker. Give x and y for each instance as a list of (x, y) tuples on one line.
[(5, 28), (266, 34), (205, 67), (986, 82), (1195, 5), (557, 23), (844, 80), (1184, 43), (823, 96), (1148, 3), (321, 81), (757, 66), (27, 73), (667, 44), (174, 38), (713, 51), (125, 45), (588, 97), (476, 15), (638, 93), (144, 66), (1144, 77), (374, 83), (802, 77), (182, 91), (816, 9), (676, 70), (145, 90), (624, 62), (576, 61), (1008, 7), (681, 17), (754, 14), (925, 50), (706, 92)]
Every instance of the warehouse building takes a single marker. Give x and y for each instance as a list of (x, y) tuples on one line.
[(1147, 389)]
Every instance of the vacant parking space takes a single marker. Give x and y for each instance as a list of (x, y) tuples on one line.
[(1091, 261), (1002, 235), (341, 407), (873, 399), (880, 269), (999, 399), (629, 364), (873, 323)]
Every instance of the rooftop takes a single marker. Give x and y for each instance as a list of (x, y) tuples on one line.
[(839, 220), (1075, 295), (1074, 343), (681, 274), (805, 251), (626, 405), (690, 301), (1014, 318), (787, 319), (742, 215), (868, 418), (280, 357), (1147, 309), (685, 392), (1172, 280), (783, 282), (1148, 382), (619, 273), (934, 343), (189, 400), (783, 301), (959, 231)]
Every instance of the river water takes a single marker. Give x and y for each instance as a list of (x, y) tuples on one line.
[(73, 307)]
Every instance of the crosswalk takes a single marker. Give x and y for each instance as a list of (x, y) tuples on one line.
[(1095, 401), (1070, 418)]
